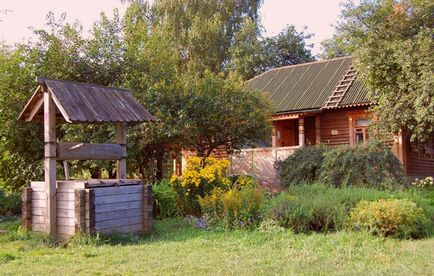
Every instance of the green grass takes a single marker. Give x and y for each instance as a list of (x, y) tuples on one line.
[(177, 248)]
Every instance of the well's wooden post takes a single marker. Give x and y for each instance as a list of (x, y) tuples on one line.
[(121, 139), (147, 208), (27, 208), (301, 139), (50, 161)]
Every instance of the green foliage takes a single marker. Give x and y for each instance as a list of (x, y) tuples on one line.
[(10, 204), (369, 165), (235, 208), (312, 211), (286, 48), (392, 46), (398, 218), (320, 207), (164, 200), (303, 166), (235, 115)]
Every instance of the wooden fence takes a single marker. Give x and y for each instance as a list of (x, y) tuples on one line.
[(259, 162)]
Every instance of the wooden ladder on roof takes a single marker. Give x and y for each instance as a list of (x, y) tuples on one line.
[(341, 88)]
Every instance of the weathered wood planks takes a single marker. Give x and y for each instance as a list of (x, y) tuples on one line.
[(102, 209), (27, 208)]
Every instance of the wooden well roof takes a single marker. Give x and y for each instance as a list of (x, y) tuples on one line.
[(304, 87), (85, 103)]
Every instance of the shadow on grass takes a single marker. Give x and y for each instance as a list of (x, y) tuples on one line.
[(176, 229)]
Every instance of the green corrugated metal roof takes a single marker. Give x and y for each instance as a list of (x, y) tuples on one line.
[(307, 86)]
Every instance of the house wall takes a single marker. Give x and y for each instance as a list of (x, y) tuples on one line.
[(420, 158), (334, 128), (309, 131)]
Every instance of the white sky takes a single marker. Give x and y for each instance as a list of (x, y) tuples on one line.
[(317, 15)]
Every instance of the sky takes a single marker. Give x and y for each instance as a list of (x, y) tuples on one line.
[(317, 15)]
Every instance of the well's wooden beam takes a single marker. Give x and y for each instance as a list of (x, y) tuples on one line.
[(121, 140), (85, 151), (50, 161)]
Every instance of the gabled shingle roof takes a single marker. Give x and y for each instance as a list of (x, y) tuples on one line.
[(86, 103), (307, 86)]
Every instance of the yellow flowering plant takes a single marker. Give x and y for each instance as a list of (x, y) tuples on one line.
[(198, 180), (400, 218)]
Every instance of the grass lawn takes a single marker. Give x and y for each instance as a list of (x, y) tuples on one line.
[(177, 248)]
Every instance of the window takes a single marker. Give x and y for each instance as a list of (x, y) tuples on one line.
[(359, 129)]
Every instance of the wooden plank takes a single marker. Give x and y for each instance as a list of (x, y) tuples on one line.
[(147, 209), (39, 203), (50, 160), (118, 198), (69, 205), (117, 214), (118, 190), (119, 222), (38, 211), (86, 151), (27, 208), (39, 227), (65, 230), (80, 210), (133, 228), (66, 196), (37, 184), (65, 221), (38, 219), (39, 195), (90, 211), (65, 213), (118, 206), (71, 184)]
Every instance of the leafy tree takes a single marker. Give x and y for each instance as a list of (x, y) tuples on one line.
[(286, 48), (223, 112), (393, 45)]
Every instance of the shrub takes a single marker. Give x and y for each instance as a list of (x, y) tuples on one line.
[(305, 213), (10, 204), (240, 181), (164, 200), (234, 208), (368, 165), (303, 166), (399, 218), (428, 182), (322, 208), (199, 180)]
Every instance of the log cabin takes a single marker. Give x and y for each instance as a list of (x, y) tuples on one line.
[(324, 102)]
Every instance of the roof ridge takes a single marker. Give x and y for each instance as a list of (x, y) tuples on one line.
[(299, 65), (41, 80)]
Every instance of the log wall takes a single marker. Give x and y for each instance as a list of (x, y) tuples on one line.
[(334, 128), (421, 163)]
